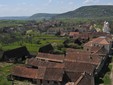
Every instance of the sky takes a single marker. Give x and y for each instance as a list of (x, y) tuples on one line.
[(30, 7)]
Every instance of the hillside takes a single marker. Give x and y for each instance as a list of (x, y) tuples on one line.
[(89, 12), (40, 16)]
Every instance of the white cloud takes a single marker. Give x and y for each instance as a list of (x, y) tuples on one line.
[(91, 1), (88, 1)]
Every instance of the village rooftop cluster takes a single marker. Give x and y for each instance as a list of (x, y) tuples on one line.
[(74, 67)]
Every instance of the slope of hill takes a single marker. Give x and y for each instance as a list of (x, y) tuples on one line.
[(89, 12), (41, 16)]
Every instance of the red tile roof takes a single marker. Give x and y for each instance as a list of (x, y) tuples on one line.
[(50, 57), (73, 76), (99, 50), (99, 40), (83, 57), (54, 74), (71, 50), (25, 72), (40, 63), (79, 67), (73, 34), (84, 79)]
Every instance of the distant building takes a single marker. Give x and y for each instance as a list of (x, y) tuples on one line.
[(106, 42), (106, 28)]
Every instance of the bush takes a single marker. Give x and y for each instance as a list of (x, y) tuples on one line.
[(56, 51), (72, 45)]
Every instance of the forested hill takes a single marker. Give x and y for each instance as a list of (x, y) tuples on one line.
[(89, 12), (41, 16)]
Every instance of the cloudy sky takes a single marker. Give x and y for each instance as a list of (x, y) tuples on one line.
[(29, 7)]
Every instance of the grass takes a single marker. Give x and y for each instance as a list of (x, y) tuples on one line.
[(106, 79), (33, 47), (4, 72)]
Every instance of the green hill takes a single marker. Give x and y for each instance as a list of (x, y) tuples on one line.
[(96, 11), (40, 16)]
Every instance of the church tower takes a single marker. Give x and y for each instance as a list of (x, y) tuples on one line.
[(106, 28)]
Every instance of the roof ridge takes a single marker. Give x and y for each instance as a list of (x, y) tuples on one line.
[(80, 78), (97, 50)]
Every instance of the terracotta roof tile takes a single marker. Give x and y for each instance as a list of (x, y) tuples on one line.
[(25, 72), (55, 74), (73, 34), (73, 76), (40, 63), (83, 79), (86, 80), (79, 67), (83, 57), (99, 40), (50, 57)]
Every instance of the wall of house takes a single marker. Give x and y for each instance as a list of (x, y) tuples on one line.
[(107, 47), (101, 65)]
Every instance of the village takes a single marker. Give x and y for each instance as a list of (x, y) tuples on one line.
[(74, 66)]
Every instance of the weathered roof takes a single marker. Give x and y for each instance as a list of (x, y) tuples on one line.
[(100, 40), (71, 50), (99, 50), (25, 72), (84, 79), (55, 74), (50, 57), (79, 67), (83, 57), (73, 76), (40, 63), (73, 33)]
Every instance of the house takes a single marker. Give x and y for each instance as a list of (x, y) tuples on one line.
[(45, 76), (83, 79), (74, 34), (97, 57), (98, 34), (78, 67), (16, 55), (34, 62), (24, 72), (100, 50), (46, 49), (85, 36), (50, 57), (83, 57), (100, 41)]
